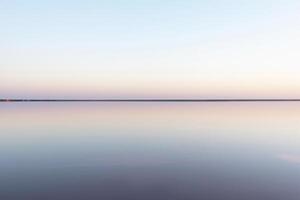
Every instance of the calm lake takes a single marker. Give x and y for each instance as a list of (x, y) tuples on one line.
[(150, 151)]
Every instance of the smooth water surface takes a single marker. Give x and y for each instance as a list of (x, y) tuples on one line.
[(157, 151)]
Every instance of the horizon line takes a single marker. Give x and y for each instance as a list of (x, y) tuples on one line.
[(156, 100)]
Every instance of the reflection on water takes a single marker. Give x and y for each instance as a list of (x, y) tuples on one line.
[(149, 151)]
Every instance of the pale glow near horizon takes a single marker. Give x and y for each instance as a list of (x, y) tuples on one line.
[(147, 48)]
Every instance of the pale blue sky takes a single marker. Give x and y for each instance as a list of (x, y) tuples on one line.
[(149, 48)]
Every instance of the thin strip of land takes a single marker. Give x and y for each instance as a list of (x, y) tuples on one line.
[(153, 100)]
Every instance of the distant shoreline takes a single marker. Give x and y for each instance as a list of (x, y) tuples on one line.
[(149, 100)]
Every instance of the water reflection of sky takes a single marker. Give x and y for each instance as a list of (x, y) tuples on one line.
[(150, 150)]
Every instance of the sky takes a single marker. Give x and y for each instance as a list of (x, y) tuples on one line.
[(149, 49)]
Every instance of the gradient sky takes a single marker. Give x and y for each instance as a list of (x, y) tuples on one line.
[(149, 48)]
